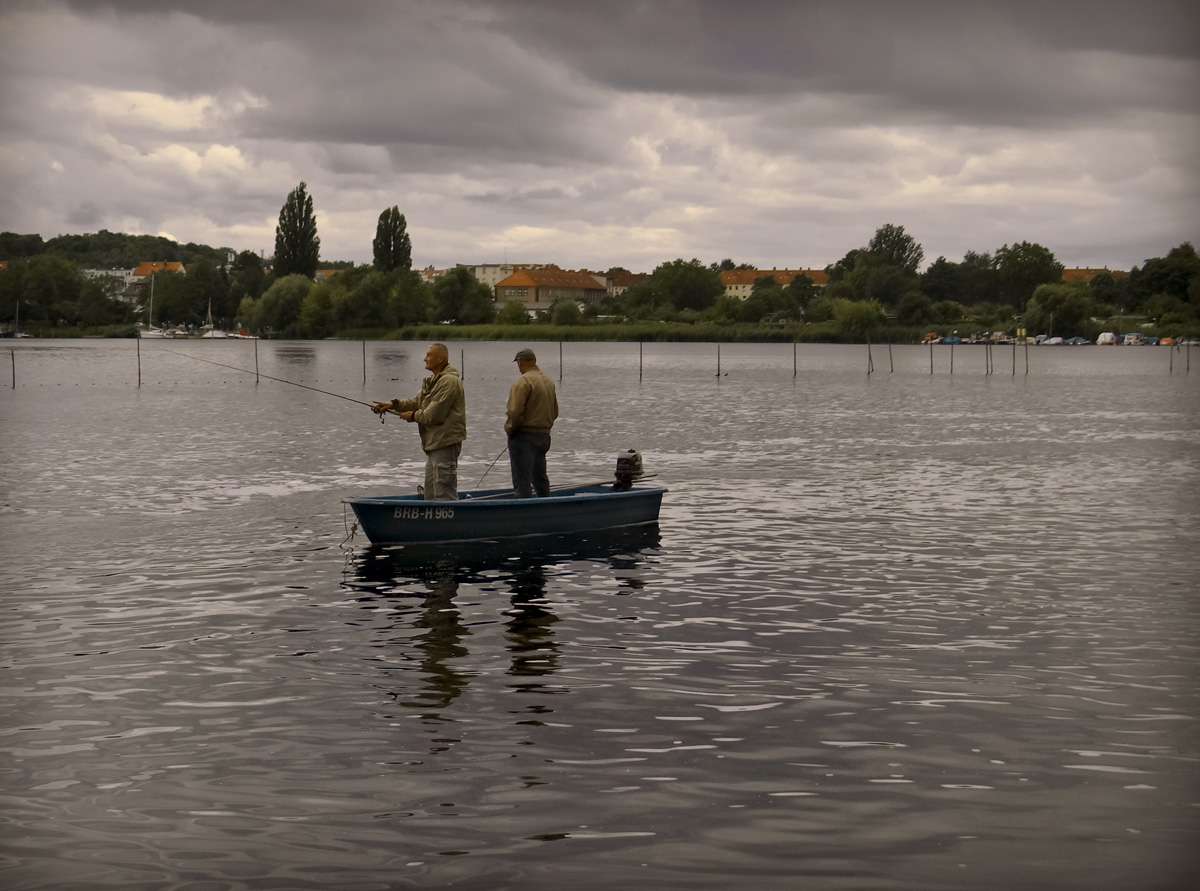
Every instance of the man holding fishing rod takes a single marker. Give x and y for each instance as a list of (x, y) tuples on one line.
[(440, 413)]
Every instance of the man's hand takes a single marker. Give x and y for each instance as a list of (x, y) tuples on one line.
[(381, 408)]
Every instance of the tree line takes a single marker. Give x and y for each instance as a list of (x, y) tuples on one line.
[(878, 285)]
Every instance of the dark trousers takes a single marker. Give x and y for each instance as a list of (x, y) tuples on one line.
[(527, 460)]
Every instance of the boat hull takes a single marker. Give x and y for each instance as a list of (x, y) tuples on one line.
[(494, 514)]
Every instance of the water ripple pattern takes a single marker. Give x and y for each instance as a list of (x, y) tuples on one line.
[(893, 631)]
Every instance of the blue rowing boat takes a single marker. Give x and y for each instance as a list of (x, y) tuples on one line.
[(491, 514), (486, 514)]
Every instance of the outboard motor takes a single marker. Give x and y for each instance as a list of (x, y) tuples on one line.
[(629, 468)]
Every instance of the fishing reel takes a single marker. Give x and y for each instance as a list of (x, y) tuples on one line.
[(629, 468)]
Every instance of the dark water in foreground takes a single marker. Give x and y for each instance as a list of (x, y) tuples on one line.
[(905, 631)]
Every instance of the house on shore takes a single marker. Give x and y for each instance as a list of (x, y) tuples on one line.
[(147, 268), (739, 282), (1085, 275), (539, 288)]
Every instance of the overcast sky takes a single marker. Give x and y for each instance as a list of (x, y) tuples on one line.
[(594, 134)]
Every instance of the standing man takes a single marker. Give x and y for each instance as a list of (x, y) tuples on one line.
[(532, 408), (440, 413)]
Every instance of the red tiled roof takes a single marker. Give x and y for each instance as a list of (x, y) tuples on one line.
[(1084, 274), (148, 267), (553, 278)]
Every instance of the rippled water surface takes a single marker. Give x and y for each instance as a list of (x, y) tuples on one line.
[(905, 630)]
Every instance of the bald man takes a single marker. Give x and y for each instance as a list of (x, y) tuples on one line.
[(440, 413)]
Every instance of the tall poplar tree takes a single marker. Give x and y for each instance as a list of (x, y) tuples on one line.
[(297, 247), (393, 247)]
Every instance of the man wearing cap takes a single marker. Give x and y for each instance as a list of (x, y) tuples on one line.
[(532, 408), (440, 413)]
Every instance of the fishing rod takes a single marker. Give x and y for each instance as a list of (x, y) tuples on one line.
[(278, 379), (490, 466)]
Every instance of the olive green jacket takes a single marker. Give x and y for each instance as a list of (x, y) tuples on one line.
[(440, 410)]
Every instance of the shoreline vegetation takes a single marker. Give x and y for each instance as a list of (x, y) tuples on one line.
[(622, 332), (84, 286)]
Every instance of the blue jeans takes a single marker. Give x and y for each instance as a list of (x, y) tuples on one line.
[(527, 461)]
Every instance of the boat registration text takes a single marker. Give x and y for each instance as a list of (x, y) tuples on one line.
[(424, 513)]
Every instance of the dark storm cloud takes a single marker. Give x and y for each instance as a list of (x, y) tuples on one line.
[(615, 132), (958, 58)]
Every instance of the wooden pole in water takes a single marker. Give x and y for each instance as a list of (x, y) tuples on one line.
[(1171, 360), (1014, 374), (870, 360), (256, 363), (639, 361), (1026, 358), (891, 362), (462, 364), (364, 360), (793, 358), (560, 360), (14, 364), (139, 355), (718, 360), (931, 356), (952, 358)]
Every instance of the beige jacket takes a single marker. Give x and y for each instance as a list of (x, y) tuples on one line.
[(532, 403), (440, 410)]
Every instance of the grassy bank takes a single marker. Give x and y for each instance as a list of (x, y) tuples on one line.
[(649, 332)]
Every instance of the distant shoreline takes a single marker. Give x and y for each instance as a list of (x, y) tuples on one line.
[(638, 332)]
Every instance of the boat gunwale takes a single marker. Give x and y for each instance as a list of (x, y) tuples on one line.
[(482, 498)]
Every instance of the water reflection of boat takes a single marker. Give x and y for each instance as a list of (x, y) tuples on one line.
[(385, 563), (426, 665)]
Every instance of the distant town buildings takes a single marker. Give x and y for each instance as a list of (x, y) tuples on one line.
[(125, 282), (150, 267), (539, 287), (739, 282), (623, 281), (491, 274), (1085, 275)]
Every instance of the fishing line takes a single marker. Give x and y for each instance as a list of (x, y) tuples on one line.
[(490, 466), (268, 377)]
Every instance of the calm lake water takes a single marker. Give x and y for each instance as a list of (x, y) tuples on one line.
[(894, 631)]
